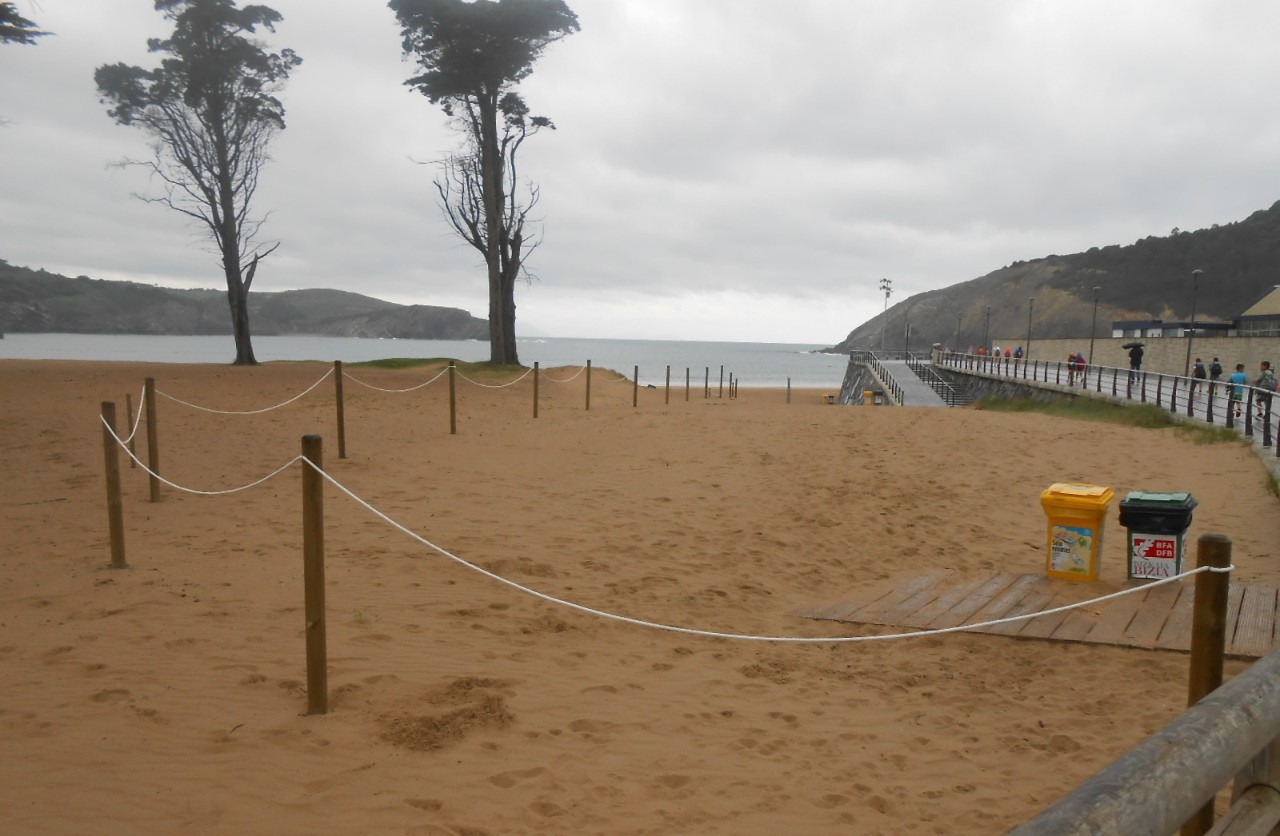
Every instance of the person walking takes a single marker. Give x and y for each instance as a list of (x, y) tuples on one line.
[(1215, 371), (1238, 381), (1266, 384), (1135, 358), (1198, 376)]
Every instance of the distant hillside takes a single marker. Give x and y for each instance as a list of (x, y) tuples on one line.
[(1149, 279), (36, 301)]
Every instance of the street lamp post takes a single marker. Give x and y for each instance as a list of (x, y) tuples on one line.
[(957, 344), (986, 329), (1093, 327), (887, 286), (1031, 306), (1195, 287)]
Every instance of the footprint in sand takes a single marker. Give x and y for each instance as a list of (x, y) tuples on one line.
[(831, 800), (507, 780), (672, 781), (431, 805), (547, 809), (111, 695)]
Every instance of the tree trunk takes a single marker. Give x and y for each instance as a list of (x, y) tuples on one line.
[(238, 297), (491, 175)]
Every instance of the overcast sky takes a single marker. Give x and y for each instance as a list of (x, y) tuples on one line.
[(722, 169)]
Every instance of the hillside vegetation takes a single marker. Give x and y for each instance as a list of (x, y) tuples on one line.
[(36, 301), (1149, 279)]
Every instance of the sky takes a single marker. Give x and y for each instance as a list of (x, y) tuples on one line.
[(721, 170)]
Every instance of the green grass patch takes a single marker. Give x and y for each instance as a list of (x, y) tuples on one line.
[(1142, 416), (480, 370)]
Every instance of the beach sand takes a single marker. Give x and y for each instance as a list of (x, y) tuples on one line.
[(169, 697)]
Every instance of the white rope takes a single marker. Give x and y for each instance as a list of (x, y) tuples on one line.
[(551, 379), (185, 489), (738, 636), (496, 385), (137, 419), (322, 379), (394, 391)]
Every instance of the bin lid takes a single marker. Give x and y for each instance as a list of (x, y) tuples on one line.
[(1155, 499), (1076, 496)]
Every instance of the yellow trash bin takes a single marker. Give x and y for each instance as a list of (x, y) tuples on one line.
[(1076, 517)]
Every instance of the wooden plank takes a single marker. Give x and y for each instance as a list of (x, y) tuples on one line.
[(1035, 600), (841, 612), (926, 595), (974, 601), (1255, 625), (1000, 605), (1176, 633), (1115, 618), (1076, 625), (874, 613), (1156, 608), (942, 603)]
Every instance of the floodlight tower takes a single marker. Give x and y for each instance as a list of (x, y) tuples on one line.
[(887, 286)]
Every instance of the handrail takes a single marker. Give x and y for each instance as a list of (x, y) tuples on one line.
[(1207, 400), (939, 384), (1160, 784)]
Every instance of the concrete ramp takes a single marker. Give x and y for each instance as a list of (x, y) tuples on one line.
[(915, 392)]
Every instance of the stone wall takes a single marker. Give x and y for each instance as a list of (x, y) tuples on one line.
[(1167, 355)]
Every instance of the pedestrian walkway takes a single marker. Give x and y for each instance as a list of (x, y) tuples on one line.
[(1158, 619), (915, 392)]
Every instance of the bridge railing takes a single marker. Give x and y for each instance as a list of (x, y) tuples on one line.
[(1209, 400), (925, 371), (891, 385)]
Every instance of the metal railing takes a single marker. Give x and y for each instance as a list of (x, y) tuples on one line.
[(1234, 404), (927, 373), (892, 388)]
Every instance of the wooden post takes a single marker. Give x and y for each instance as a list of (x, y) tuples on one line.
[(153, 438), (342, 417), (133, 437), (686, 384), (588, 386), (706, 383), (721, 382), (668, 396), (635, 387), (1208, 641), (453, 399), (1261, 773), (535, 389), (313, 575), (788, 390), (115, 508)]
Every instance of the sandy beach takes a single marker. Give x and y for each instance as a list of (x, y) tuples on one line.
[(169, 697)]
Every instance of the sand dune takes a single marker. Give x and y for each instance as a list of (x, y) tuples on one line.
[(170, 697)]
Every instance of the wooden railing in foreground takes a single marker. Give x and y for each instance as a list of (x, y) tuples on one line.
[(1169, 781)]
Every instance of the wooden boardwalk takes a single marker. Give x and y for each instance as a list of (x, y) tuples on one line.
[(1158, 618)]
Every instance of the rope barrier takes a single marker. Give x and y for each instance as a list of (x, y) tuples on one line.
[(719, 635), (322, 379), (569, 379), (637, 622), (496, 385), (137, 419), (196, 491), (442, 373)]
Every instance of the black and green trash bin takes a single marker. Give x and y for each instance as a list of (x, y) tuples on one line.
[(1157, 524)]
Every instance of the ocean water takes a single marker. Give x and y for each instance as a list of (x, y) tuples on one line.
[(753, 364)]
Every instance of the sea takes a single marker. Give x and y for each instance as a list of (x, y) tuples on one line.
[(750, 364)]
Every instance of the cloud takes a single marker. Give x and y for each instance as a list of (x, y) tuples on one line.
[(720, 169)]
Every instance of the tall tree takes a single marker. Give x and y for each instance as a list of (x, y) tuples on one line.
[(16, 29), (211, 112), (472, 56)]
